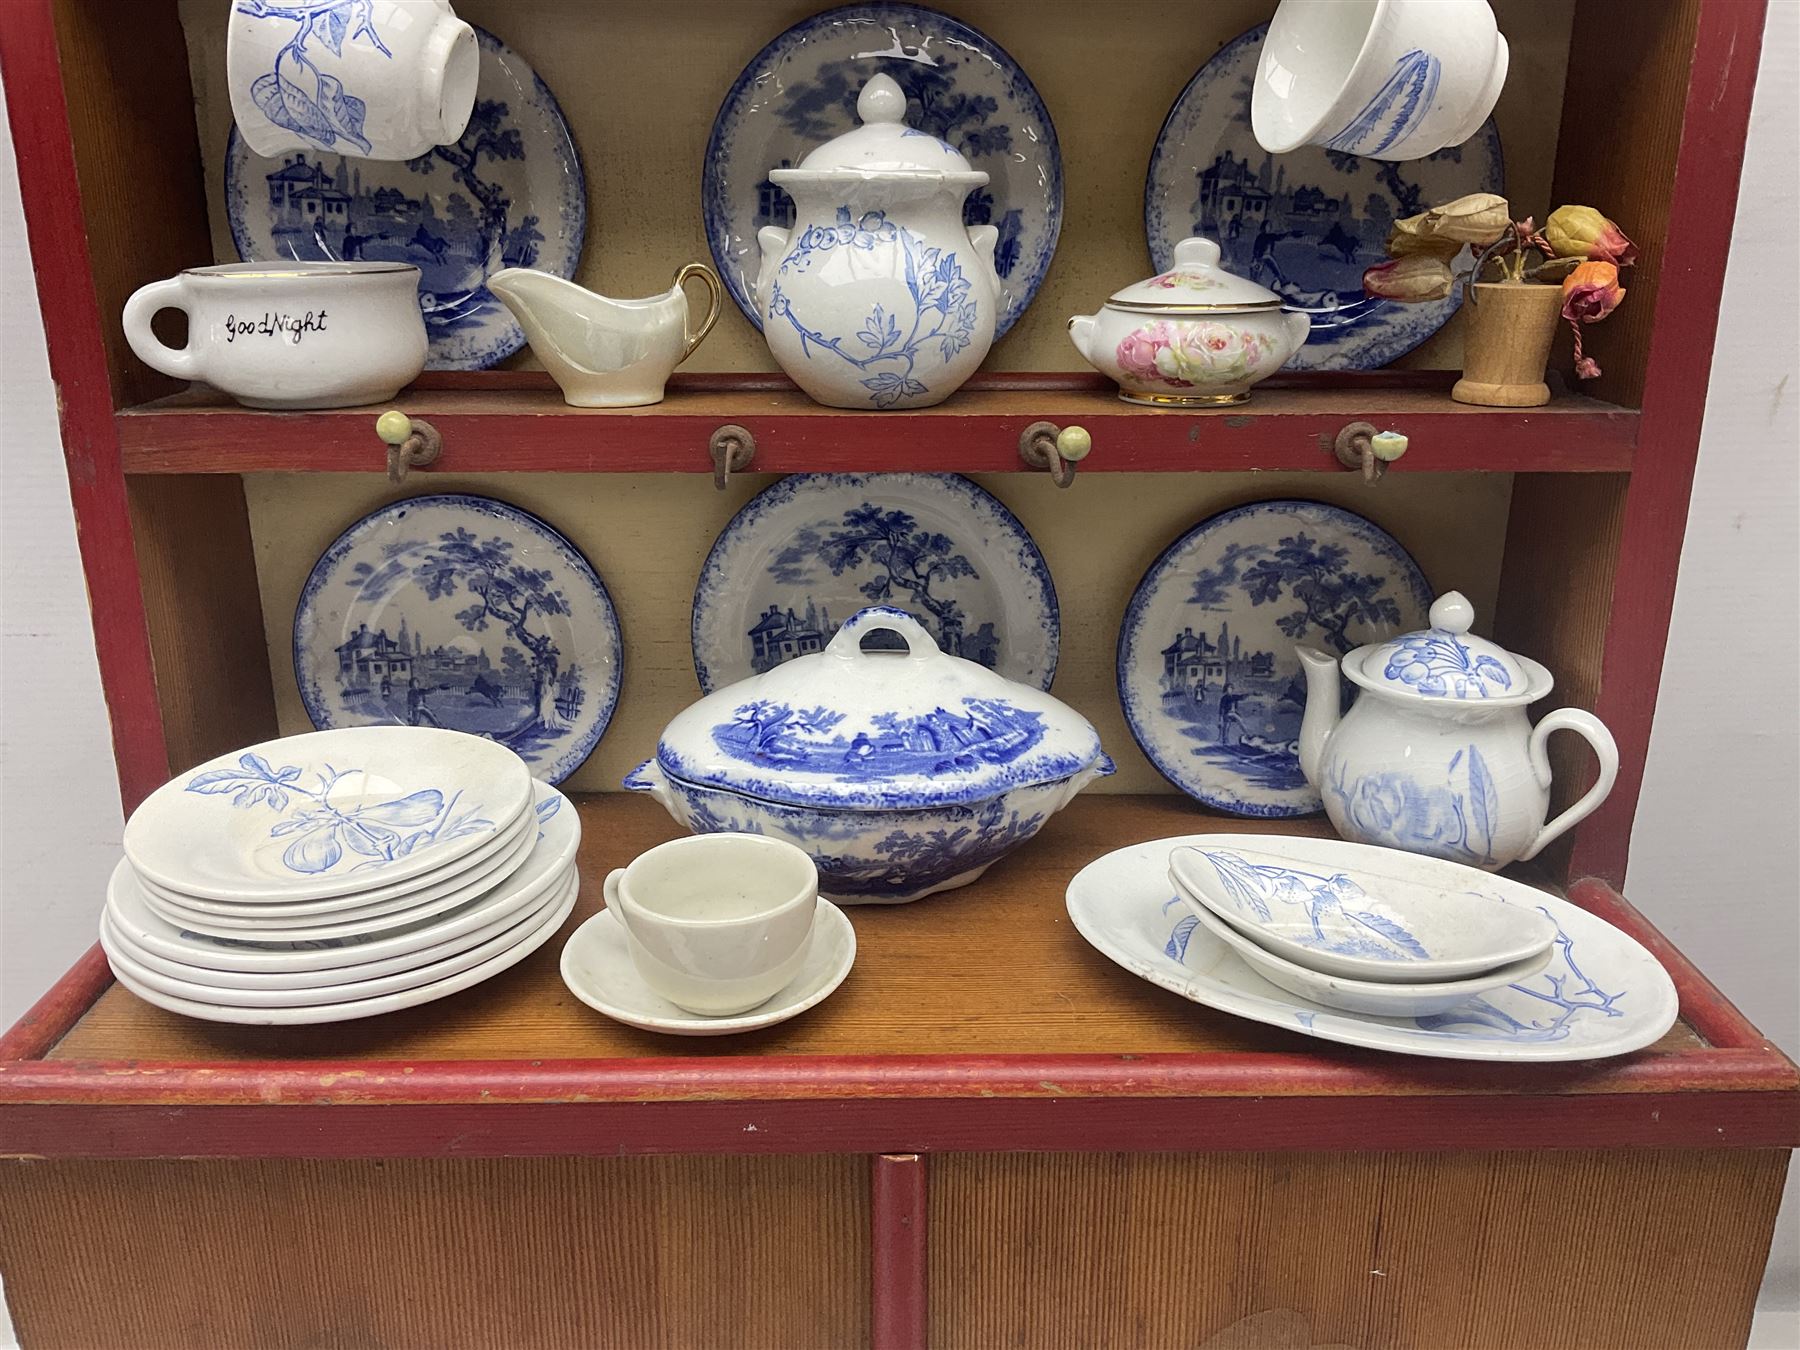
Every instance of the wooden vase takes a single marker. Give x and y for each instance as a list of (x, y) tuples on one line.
[(1507, 344)]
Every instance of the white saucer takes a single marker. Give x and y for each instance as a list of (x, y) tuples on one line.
[(367, 1007), (598, 970)]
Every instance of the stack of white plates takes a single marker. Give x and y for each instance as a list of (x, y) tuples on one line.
[(339, 874)]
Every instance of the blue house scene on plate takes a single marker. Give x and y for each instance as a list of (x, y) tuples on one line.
[(893, 561), (327, 208), (816, 111), (1243, 703)]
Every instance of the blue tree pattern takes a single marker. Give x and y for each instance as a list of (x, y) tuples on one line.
[(326, 114), (774, 735), (1434, 663), (1313, 575), (377, 834), (910, 561), (943, 312), (1566, 993), (1395, 808), (504, 591), (1338, 911)]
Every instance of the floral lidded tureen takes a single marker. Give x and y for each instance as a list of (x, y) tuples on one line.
[(1437, 755), (901, 772), (879, 296), (1193, 336)]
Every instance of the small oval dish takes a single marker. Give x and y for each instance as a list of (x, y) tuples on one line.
[(1384, 922), (1368, 997), (900, 773)]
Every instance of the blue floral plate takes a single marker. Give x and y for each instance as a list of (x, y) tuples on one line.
[(806, 554), (1207, 672), (1305, 224), (1602, 993), (510, 193), (461, 612), (961, 87)]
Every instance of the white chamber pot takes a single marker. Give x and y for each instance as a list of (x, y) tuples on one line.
[(1385, 79), (291, 334)]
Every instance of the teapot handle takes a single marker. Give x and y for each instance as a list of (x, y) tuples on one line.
[(1606, 750), (847, 644)]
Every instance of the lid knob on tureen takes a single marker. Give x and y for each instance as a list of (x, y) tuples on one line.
[(1196, 254), (1451, 612), (881, 100)]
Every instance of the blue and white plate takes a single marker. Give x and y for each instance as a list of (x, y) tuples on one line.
[(462, 612), (809, 552), (1207, 672), (1305, 224), (510, 193), (801, 90), (1602, 993)]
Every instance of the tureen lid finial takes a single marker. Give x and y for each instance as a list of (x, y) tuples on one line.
[(1452, 613), (881, 100)]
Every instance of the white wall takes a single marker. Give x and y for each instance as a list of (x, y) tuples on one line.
[(1716, 848)]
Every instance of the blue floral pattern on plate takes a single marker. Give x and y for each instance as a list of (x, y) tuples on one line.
[(809, 552), (1207, 674), (509, 193), (1305, 224), (962, 90), (325, 833), (1339, 914), (461, 612)]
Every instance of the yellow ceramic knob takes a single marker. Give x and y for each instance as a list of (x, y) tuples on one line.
[(393, 426), (1073, 443), (1387, 446)]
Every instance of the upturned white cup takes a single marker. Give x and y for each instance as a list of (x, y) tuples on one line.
[(717, 923), (376, 79), (1386, 79), (288, 335)]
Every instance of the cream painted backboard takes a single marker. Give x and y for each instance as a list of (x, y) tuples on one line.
[(640, 80)]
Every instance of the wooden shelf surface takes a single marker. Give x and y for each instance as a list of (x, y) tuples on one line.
[(512, 421)]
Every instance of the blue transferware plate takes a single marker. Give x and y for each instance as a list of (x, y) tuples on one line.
[(463, 612), (809, 552), (961, 87), (1602, 993), (1207, 672), (510, 193), (1305, 224)]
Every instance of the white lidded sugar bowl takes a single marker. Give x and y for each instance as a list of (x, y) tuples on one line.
[(879, 296), (1193, 336), (1437, 755)]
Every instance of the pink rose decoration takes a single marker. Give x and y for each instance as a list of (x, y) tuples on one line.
[(1137, 351)]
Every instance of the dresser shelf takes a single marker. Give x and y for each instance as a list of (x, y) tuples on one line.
[(516, 421)]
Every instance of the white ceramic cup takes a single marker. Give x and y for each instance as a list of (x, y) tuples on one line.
[(1386, 79), (717, 923), (376, 79), (288, 335)]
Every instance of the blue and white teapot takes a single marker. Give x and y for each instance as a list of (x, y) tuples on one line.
[(879, 296), (1437, 755)]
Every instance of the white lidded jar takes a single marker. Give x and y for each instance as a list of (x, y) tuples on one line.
[(879, 296)]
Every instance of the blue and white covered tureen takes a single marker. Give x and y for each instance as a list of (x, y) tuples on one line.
[(901, 772)]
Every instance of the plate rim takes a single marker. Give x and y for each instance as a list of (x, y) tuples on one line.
[(574, 201), (1489, 130), (714, 210), (711, 580), (610, 628), (1134, 615), (1471, 1049)]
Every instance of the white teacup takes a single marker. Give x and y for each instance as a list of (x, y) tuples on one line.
[(717, 923), (291, 334), (376, 79), (1386, 79)]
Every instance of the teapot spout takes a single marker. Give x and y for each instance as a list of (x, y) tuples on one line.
[(772, 242), (1324, 708)]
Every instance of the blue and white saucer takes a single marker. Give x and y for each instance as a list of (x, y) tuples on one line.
[(809, 552), (510, 193), (1208, 678), (1305, 224), (462, 612), (801, 90)]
